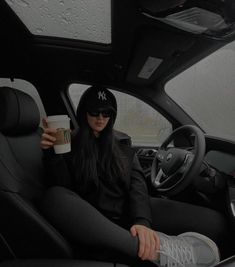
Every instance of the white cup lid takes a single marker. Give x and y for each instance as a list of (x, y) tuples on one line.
[(58, 118)]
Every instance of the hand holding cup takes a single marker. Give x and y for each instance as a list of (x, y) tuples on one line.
[(56, 134), (48, 137)]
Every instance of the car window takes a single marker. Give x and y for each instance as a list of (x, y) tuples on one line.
[(206, 92), (145, 125), (26, 87)]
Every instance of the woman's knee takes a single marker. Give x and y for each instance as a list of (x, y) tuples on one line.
[(54, 191), (58, 194), (55, 199)]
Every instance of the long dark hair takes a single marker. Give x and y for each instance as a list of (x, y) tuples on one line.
[(93, 156)]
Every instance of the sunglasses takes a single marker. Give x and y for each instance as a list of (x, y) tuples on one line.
[(96, 113)]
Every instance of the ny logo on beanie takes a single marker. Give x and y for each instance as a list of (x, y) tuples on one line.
[(102, 95)]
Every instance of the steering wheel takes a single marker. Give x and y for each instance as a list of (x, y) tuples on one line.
[(173, 169)]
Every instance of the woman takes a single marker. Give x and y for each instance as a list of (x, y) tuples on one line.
[(101, 199)]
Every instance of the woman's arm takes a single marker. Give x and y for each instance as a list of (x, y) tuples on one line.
[(149, 242), (138, 196), (56, 167)]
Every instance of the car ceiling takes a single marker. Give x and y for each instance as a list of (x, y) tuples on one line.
[(136, 35)]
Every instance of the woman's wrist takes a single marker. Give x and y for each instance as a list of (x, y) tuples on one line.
[(143, 221)]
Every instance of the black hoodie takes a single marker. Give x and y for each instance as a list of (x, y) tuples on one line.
[(124, 201)]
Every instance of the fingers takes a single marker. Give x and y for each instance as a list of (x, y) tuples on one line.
[(133, 231), (142, 244), (47, 141), (157, 245), (48, 137), (44, 123), (147, 249), (152, 252), (148, 242)]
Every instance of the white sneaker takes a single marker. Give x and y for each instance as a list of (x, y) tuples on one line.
[(187, 250)]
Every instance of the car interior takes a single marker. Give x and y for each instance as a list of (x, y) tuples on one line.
[(141, 46)]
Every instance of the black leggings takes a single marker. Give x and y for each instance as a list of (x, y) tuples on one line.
[(84, 225)]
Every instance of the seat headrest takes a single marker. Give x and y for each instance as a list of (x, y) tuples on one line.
[(19, 114)]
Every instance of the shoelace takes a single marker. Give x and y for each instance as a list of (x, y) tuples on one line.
[(177, 251)]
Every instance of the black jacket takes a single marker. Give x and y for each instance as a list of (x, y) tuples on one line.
[(127, 199)]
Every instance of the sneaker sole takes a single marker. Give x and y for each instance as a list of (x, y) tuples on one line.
[(206, 240)]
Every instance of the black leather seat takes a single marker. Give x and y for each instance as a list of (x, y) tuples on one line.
[(22, 228), (26, 238)]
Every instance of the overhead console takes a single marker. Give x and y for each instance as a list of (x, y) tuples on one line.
[(155, 52)]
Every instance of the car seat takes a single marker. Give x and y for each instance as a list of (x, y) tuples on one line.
[(22, 228), (24, 232)]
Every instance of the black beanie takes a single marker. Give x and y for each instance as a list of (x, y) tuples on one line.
[(95, 98)]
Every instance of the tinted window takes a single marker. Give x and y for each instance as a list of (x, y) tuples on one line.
[(206, 92), (144, 124)]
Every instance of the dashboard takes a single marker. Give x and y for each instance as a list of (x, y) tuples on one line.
[(222, 161)]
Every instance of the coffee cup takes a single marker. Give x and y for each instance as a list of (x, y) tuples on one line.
[(63, 137)]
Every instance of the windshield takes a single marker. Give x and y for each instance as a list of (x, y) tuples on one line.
[(206, 91)]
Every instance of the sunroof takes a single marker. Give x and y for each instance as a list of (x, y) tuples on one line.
[(87, 20)]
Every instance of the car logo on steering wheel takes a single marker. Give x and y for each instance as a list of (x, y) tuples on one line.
[(169, 156)]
